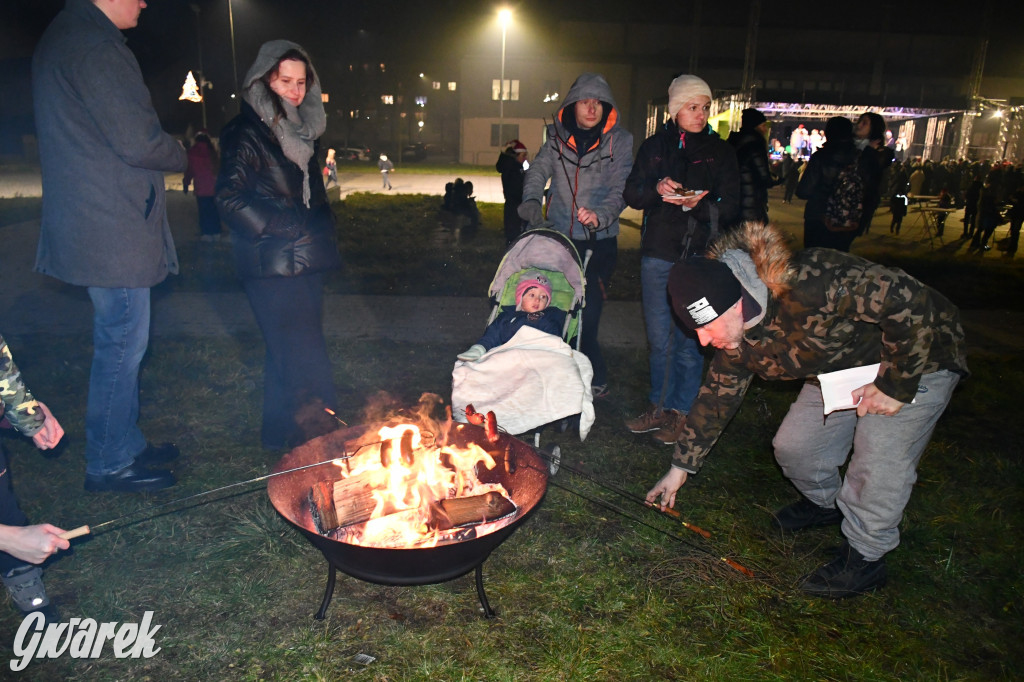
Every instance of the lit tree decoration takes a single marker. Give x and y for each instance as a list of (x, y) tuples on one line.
[(190, 90)]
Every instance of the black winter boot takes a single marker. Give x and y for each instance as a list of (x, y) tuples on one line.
[(805, 514), (848, 575)]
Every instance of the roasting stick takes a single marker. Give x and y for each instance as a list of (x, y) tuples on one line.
[(731, 563), (86, 529), (675, 514), (735, 565), (74, 533), (629, 496)]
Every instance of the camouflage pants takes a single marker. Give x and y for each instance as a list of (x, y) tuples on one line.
[(883, 463)]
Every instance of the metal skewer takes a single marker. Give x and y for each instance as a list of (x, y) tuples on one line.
[(86, 529)]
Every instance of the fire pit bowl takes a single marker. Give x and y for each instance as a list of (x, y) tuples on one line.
[(525, 480)]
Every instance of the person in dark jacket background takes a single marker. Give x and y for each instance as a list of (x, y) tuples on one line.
[(202, 172), (988, 216), (510, 165), (791, 176), (684, 155), (103, 157), (271, 194), (756, 177), (875, 159), (971, 197), (818, 181), (1015, 214)]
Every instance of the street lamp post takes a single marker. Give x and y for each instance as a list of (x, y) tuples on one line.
[(202, 73), (234, 61), (504, 15)]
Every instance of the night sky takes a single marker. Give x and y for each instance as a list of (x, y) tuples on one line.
[(406, 33)]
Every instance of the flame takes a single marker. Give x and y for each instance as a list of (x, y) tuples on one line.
[(407, 482)]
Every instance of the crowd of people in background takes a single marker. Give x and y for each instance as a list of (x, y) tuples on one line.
[(990, 194)]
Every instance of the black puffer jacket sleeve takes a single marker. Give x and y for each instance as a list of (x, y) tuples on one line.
[(259, 197)]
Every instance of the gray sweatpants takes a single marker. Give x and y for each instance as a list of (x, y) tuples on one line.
[(883, 467)]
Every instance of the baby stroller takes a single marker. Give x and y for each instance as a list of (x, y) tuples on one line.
[(535, 379)]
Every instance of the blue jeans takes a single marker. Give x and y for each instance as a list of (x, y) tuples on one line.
[(677, 365), (120, 338), (882, 468)]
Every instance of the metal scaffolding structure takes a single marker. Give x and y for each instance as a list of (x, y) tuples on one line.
[(826, 111)]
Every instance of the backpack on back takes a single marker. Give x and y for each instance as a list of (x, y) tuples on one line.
[(846, 203)]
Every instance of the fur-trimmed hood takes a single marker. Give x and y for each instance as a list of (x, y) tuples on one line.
[(767, 248)]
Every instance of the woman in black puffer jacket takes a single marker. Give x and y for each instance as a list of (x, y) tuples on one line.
[(271, 195)]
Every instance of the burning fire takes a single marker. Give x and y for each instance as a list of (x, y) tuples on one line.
[(405, 477)]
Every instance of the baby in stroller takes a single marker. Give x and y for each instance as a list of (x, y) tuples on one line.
[(522, 368), (533, 296)]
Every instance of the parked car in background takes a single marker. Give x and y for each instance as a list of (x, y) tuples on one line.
[(354, 153), (414, 152)]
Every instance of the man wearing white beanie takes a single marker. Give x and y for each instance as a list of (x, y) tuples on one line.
[(686, 181)]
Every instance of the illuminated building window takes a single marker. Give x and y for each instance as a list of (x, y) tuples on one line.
[(451, 86), (435, 85), (510, 91), (387, 99), (421, 101)]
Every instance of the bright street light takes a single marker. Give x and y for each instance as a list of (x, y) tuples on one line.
[(504, 16)]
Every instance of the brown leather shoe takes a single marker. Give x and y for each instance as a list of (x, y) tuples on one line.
[(669, 432), (651, 420)]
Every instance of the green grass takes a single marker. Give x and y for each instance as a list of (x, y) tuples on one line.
[(377, 231), (582, 592)]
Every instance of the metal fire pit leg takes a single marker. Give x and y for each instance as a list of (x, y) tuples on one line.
[(488, 611), (328, 593)]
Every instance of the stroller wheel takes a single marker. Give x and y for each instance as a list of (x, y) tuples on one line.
[(554, 458)]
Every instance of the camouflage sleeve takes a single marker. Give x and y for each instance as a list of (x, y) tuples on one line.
[(716, 404), (16, 403), (904, 310)]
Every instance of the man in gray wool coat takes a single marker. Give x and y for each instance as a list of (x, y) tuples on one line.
[(103, 156)]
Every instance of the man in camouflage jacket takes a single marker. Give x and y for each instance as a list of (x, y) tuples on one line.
[(784, 316), (21, 545)]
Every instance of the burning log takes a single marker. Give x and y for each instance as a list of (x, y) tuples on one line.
[(335, 504), (464, 511), (350, 501)]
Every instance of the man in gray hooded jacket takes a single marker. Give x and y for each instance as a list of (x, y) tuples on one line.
[(103, 156), (587, 157)]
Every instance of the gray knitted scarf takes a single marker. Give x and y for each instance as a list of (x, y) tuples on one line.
[(298, 130)]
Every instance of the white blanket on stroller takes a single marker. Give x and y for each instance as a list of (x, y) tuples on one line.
[(533, 379)]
